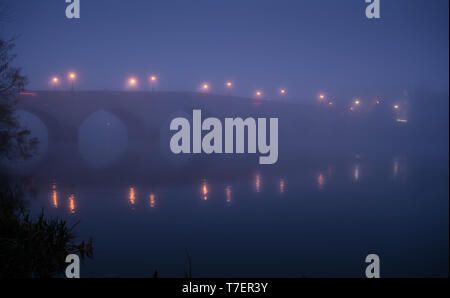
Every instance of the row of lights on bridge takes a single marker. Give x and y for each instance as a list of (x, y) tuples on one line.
[(132, 82), (356, 103)]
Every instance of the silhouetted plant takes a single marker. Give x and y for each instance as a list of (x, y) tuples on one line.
[(34, 247), (15, 140)]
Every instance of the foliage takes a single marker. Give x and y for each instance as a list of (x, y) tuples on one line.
[(15, 140), (33, 247)]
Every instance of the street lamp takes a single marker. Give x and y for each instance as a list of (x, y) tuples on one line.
[(54, 81), (205, 87), (321, 96), (153, 80), (396, 107), (283, 91), (228, 86), (132, 82), (72, 77), (258, 93)]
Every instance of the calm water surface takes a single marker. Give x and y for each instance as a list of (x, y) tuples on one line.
[(317, 219)]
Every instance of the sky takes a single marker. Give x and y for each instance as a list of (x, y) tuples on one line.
[(305, 46)]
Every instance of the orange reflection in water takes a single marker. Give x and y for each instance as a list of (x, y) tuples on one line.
[(152, 201), (282, 186), (321, 181), (54, 196), (205, 190), (132, 196), (258, 182), (228, 194), (72, 203), (396, 166), (356, 173)]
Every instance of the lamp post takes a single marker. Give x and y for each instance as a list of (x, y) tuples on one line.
[(72, 77), (228, 86), (205, 87), (153, 80), (321, 97), (54, 82), (132, 82)]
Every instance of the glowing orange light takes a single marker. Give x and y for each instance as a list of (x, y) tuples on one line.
[(258, 182), (357, 102), (152, 200), (153, 78), (228, 194), (132, 82), (396, 107), (54, 196), (321, 96), (321, 181), (55, 80), (258, 93), (72, 76), (356, 173), (132, 196), (72, 203), (283, 91), (282, 186), (229, 84), (205, 191)]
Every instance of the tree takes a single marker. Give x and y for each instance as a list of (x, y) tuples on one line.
[(29, 247), (15, 140)]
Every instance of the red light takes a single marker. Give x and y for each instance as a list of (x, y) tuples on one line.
[(28, 93)]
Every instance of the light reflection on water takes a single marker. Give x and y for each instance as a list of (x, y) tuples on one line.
[(205, 190), (321, 181), (132, 197), (54, 195), (228, 194), (258, 182), (152, 200), (396, 167), (356, 173), (239, 218), (72, 206), (282, 186)]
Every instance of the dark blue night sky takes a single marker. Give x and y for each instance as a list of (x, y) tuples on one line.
[(305, 46)]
